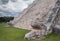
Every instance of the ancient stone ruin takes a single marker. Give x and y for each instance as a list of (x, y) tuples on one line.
[(41, 17)]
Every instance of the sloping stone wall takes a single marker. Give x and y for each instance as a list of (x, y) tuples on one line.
[(38, 9), (43, 14)]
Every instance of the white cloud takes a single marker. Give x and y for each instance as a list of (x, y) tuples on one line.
[(14, 6)]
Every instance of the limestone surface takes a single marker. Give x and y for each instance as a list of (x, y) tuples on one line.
[(38, 9), (42, 17)]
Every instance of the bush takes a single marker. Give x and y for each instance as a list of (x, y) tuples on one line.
[(6, 19)]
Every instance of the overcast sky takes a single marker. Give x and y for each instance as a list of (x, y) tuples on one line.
[(13, 7)]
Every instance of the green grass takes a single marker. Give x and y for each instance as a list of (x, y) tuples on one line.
[(15, 34)]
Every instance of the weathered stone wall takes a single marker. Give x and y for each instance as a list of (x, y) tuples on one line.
[(38, 9), (56, 28), (41, 14)]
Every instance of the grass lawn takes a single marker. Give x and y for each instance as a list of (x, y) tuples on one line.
[(15, 34)]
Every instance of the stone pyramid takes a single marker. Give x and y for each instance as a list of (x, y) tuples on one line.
[(38, 9)]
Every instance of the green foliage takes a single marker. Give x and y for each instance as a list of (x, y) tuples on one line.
[(6, 19)]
